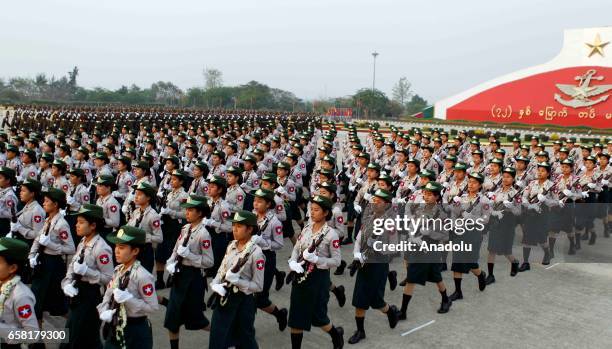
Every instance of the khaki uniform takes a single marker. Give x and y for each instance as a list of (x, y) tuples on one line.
[(99, 260), (149, 221), (200, 247)]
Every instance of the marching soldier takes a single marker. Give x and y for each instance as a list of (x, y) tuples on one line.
[(46, 257), (240, 275), (46, 178), (104, 186), (198, 184), (78, 195), (58, 171), (130, 296), (191, 255), (17, 303), (235, 195), (90, 268), (219, 223), (30, 219), (124, 179), (316, 251), (144, 217), (8, 199), (172, 217), (29, 170), (372, 276)]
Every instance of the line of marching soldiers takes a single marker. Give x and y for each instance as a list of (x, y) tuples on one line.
[(170, 206)]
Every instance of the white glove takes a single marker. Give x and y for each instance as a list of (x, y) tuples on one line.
[(232, 278), (160, 194), (70, 200), (124, 209), (107, 315), (367, 196), (519, 183), (164, 211), (417, 240), (401, 174), (585, 194), (357, 208), (582, 168), (296, 267), (387, 167), (218, 289), (171, 268), (209, 222), (497, 214), (457, 199), (490, 194), (281, 190), (561, 203), (541, 197), (183, 251), (359, 181), (507, 203), (9, 235), (44, 240), (465, 214), (401, 200), (567, 192), (445, 185), (605, 182), (33, 262), (352, 187), (70, 290), (358, 257), (591, 185), (310, 257), (122, 296), (79, 268), (411, 187), (15, 226)]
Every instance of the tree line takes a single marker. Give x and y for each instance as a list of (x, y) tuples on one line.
[(252, 95)]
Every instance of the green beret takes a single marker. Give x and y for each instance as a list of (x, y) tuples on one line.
[(322, 201), (79, 172), (142, 164), (460, 166), (107, 180), (56, 195), (433, 187), (59, 164), (269, 177), (329, 186), (374, 166), (497, 162), (429, 174), (384, 194), (195, 201), (569, 162), (245, 217), (32, 184), (90, 211), (477, 176), (47, 156), (146, 188), (414, 161), (180, 174), (218, 180), (7, 172), (128, 235), (264, 194), (14, 248), (510, 170), (284, 165), (452, 158), (101, 156)]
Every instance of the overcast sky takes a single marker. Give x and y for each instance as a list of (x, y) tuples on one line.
[(314, 48)]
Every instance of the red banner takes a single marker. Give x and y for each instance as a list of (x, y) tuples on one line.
[(577, 96)]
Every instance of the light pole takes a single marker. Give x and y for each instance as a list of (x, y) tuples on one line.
[(374, 54)]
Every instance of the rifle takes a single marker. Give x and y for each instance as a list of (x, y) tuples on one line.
[(109, 330), (228, 287), (78, 277), (544, 192), (40, 250), (179, 259), (307, 266)]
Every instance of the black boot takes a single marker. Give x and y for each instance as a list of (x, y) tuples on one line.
[(280, 279), (482, 277), (456, 296), (340, 269), (490, 279), (592, 238), (392, 276), (551, 247), (281, 318), (338, 291), (404, 282), (578, 243), (572, 246), (585, 236), (546, 259), (337, 337), (356, 337), (445, 306), (514, 268), (392, 316), (524, 267), (607, 229)]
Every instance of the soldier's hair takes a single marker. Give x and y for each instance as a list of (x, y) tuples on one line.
[(20, 264)]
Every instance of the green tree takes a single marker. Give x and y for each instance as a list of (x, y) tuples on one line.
[(402, 91), (416, 104), (370, 102)]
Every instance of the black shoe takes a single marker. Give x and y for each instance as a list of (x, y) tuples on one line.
[(340, 295), (572, 250), (280, 279), (282, 319), (524, 267), (490, 279), (607, 229), (356, 337), (392, 316), (392, 276), (340, 269), (160, 285), (546, 259), (482, 281), (401, 315), (578, 243), (585, 236), (339, 343), (593, 238), (455, 296), (552, 253), (403, 282), (445, 306), (346, 241), (514, 268)]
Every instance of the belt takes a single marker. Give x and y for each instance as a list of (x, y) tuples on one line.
[(136, 320)]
